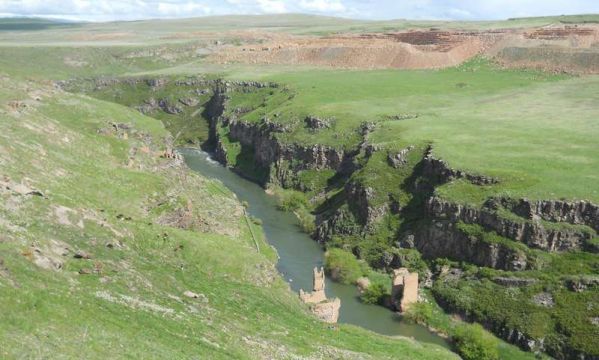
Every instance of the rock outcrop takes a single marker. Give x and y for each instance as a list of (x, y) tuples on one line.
[(442, 239), (360, 203), (316, 123), (575, 212), (440, 172), (341, 221), (399, 159), (533, 233)]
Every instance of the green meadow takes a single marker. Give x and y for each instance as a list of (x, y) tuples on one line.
[(535, 132)]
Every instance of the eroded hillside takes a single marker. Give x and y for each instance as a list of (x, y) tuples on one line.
[(560, 48)]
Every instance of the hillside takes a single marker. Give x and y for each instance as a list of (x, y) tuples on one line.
[(463, 151), (103, 241)]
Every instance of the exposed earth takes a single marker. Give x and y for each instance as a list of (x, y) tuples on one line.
[(570, 48)]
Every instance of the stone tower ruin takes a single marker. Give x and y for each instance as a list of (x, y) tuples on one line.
[(404, 290), (324, 309)]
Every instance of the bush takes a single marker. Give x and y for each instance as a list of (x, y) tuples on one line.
[(374, 294), (292, 201), (420, 313), (411, 259), (306, 221), (487, 273), (342, 266), (472, 342)]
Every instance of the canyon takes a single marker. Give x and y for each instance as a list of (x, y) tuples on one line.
[(507, 234)]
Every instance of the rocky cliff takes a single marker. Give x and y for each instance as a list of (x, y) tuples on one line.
[(444, 239), (534, 233), (282, 159)]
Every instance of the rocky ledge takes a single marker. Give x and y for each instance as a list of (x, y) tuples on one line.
[(533, 233)]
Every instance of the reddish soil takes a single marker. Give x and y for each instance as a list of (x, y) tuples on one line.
[(559, 33), (396, 50), (422, 49)]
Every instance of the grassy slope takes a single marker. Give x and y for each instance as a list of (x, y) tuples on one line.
[(132, 305), (526, 127)]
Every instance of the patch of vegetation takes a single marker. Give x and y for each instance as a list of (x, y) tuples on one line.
[(430, 314), (291, 200), (343, 266), (374, 294), (513, 307), (314, 181), (474, 343)]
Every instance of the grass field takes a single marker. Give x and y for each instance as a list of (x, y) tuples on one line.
[(526, 126), (534, 132), (24, 31)]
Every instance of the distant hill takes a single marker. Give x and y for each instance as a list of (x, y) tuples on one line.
[(27, 23), (565, 19)]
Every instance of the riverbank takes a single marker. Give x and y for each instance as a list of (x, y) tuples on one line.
[(299, 254)]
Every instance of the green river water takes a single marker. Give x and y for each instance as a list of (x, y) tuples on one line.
[(298, 254)]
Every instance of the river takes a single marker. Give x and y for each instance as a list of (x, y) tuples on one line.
[(299, 254)]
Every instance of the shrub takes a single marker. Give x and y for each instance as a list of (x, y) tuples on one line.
[(306, 221), (292, 201), (342, 266), (411, 259), (472, 342), (419, 313), (592, 245), (374, 294), (485, 272)]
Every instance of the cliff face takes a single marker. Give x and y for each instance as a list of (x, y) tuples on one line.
[(355, 215), (577, 213), (443, 239), (268, 151), (532, 233), (531, 223), (361, 203)]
